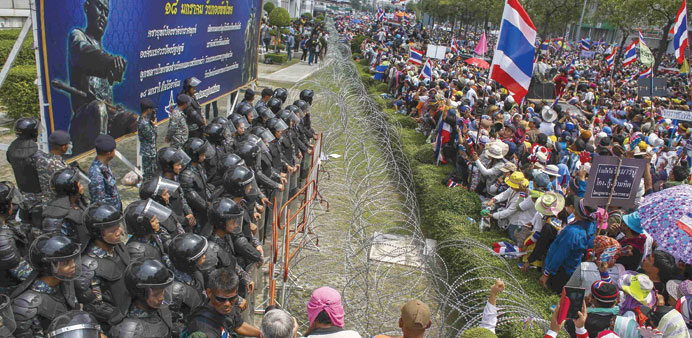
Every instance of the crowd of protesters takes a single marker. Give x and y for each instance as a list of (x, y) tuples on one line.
[(530, 161), (308, 37)]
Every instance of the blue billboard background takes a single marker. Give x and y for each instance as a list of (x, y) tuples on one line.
[(163, 43)]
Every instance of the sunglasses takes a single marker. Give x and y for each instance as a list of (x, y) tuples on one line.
[(224, 299)]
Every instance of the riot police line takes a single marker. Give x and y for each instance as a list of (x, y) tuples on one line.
[(73, 268)]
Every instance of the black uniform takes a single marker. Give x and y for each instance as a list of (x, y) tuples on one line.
[(193, 181), (23, 154), (60, 209), (207, 320)]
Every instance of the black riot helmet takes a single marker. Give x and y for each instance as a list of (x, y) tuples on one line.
[(138, 216), (7, 315), (215, 132), (281, 94), (236, 181), (247, 110), (264, 133), (154, 187), (302, 105), (51, 253), (65, 182), (144, 276), (288, 117), (264, 112), (185, 250), (194, 147), (167, 157), (239, 122), (274, 105), (230, 162), (225, 209), (74, 324), (249, 151), (276, 124), (100, 216), (226, 123), (294, 109), (190, 82), (7, 193), (307, 95), (26, 127)]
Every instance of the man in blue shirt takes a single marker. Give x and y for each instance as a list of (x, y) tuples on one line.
[(102, 187), (570, 245)]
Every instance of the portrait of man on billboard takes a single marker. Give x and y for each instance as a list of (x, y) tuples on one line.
[(93, 71)]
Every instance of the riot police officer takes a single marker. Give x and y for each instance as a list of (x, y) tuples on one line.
[(13, 245), (23, 154), (281, 94), (215, 133), (274, 105), (75, 324), (241, 186), (227, 163), (247, 110), (307, 125), (251, 153), (149, 315), (241, 125), (263, 115), (142, 222), (265, 165), (193, 180), (227, 134), (307, 95), (7, 323), (103, 265), (280, 161), (266, 94), (171, 162), (188, 253), (193, 113), (50, 292), (157, 189), (67, 208)]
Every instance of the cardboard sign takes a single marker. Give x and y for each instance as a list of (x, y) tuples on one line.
[(436, 52), (644, 87), (587, 54), (601, 179), (680, 115)]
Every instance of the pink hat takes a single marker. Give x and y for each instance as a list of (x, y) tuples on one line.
[(328, 300)]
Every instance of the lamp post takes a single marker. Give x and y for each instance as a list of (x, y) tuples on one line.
[(581, 20)]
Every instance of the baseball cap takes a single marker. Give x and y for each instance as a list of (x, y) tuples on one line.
[(415, 315)]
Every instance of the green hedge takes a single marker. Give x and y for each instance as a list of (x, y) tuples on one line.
[(453, 214), (356, 42), (276, 58), (19, 94)]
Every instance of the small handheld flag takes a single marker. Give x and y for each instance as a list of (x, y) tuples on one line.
[(415, 56)]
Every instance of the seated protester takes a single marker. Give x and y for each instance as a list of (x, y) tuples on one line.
[(326, 315), (193, 180), (14, 268), (500, 186), (187, 252), (149, 316), (660, 267), (226, 216), (103, 265), (157, 189), (220, 314), (148, 240), (606, 250), (511, 214), (240, 185), (579, 323), (680, 297), (634, 243), (50, 290), (171, 162), (637, 291), (546, 225), (491, 162), (67, 207), (602, 311), (570, 245)]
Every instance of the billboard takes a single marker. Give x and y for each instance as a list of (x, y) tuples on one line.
[(98, 58)]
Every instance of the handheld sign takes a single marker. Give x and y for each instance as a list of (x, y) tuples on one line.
[(677, 115), (614, 181)]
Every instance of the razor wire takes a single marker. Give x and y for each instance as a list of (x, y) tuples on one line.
[(373, 188)]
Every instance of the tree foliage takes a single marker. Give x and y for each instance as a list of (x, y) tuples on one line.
[(269, 6), (279, 17)]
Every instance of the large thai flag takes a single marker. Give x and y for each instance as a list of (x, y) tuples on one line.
[(680, 40), (426, 72), (512, 65), (415, 56), (610, 59), (444, 134), (645, 73), (380, 14), (585, 44), (572, 67), (630, 53), (454, 46)]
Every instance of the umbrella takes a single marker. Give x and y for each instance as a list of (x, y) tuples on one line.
[(665, 215), (480, 63)]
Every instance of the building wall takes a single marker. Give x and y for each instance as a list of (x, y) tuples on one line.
[(13, 13)]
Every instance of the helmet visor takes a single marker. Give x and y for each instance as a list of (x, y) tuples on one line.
[(181, 156), (267, 114), (67, 268), (83, 178), (267, 136), (241, 122), (159, 296), (293, 117), (6, 314), (230, 129), (154, 208), (194, 82), (164, 184), (281, 125), (77, 331)]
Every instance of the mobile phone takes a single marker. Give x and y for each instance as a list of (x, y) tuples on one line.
[(571, 301)]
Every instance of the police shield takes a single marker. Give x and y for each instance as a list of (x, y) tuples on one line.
[(165, 184), (7, 323)]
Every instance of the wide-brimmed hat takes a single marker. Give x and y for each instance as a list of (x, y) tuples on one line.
[(509, 167), (638, 286), (495, 150), (548, 115), (516, 179), (633, 222), (551, 170), (550, 204)]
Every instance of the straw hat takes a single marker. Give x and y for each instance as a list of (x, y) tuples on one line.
[(495, 150), (551, 170), (509, 167), (516, 179), (550, 204)]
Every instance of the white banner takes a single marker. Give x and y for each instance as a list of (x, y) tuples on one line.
[(677, 114)]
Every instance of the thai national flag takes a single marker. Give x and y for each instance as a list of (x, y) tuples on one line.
[(380, 14), (645, 73), (572, 68), (610, 59), (455, 46), (512, 65), (426, 72), (641, 39), (545, 45), (630, 53), (680, 40), (685, 224), (415, 57), (444, 134), (405, 20), (585, 44)]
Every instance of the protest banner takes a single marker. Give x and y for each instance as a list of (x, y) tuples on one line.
[(680, 115), (614, 181)]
